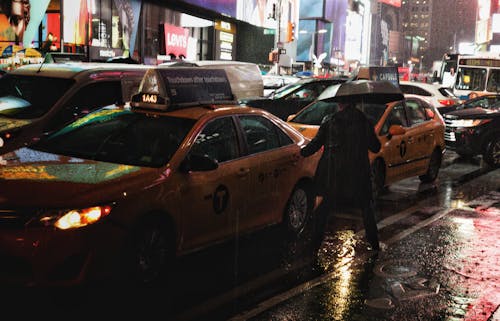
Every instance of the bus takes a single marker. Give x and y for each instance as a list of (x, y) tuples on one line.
[(472, 75)]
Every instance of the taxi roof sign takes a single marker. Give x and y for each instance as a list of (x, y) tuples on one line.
[(177, 87)]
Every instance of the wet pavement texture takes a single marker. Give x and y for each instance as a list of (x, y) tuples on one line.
[(442, 263)]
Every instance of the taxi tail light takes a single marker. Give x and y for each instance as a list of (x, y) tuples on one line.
[(447, 102), (75, 218)]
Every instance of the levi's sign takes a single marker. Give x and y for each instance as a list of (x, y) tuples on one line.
[(176, 40)]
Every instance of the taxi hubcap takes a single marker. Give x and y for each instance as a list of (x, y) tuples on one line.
[(298, 209), (152, 254)]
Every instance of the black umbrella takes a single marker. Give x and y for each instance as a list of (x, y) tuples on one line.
[(363, 90)]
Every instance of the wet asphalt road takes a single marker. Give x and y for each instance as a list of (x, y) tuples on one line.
[(442, 262)]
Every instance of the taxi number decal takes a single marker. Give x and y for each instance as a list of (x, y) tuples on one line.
[(276, 173), (149, 98), (220, 199), (402, 149)]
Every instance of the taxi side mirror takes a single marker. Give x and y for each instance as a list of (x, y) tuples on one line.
[(198, 163), (395, 130), (290, 117)]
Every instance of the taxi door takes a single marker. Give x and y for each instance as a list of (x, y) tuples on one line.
[(273, 159), (213, 200), (395, 148), (421, 140)]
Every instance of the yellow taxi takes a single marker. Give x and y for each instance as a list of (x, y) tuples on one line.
[(130, 189), (410, 130)]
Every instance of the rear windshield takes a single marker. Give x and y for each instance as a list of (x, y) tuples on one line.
[(26, 97), (120, 136)]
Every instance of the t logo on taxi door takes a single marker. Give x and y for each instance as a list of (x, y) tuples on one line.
[(220, 199)]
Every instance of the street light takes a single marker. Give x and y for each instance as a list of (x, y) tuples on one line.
[(313, 40)]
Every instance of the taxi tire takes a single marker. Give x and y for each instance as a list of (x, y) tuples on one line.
[(297, 210), (149, 254), (491, 154), (433, 169)]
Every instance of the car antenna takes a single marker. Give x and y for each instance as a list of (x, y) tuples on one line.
[(43, 62)]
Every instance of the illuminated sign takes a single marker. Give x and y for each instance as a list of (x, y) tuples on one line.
[(395, 3), (149, 98), (176, 40), (480, 62), (224, 39)]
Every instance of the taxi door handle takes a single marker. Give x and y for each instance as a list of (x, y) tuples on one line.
[(243, 172), (410, 140)]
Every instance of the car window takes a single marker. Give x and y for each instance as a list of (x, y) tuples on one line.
[(260, 134), (408, 89), (25, 97), (493, 83), (415, 112), (120, 136), (218, 140), (396, 117), (87, 99), (314, 113), (447, 92)]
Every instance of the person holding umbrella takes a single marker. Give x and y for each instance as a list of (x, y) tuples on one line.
[(343, 173)]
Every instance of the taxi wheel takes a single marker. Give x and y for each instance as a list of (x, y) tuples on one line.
[(433, 169), (149, 253), (297, 210), (492, 153)]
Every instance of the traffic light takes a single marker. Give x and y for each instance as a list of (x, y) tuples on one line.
[(290, 34)]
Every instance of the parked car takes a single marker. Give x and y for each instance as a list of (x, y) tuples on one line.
[(123, 192), (410, 130), (37, 99), (437, 95), (475, 131), (293, 97), (274, 82), (483, 101)]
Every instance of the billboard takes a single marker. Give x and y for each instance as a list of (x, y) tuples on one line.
[(19, 20), (227, 7), (395, 3)]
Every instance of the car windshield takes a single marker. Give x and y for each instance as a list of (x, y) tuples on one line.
[(120, 136), (314, 113), (284, 91), (26, 97)]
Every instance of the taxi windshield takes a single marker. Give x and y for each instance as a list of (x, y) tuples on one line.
[(120, 136), (26, 97)]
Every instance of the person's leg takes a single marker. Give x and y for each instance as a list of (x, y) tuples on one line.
[(370, 224)]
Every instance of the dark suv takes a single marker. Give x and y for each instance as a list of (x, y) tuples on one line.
[(475, 131), (38, 99)]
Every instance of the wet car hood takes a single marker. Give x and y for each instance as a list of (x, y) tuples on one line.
[(470, 113), (30, 178), (7, 124)]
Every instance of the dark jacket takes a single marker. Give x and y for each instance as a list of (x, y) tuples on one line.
[(343, 171)]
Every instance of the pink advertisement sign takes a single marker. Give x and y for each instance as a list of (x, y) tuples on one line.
[(395, 3), (176, 40)]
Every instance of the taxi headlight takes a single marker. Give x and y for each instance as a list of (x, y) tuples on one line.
[(467, 122), (75, 218)]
